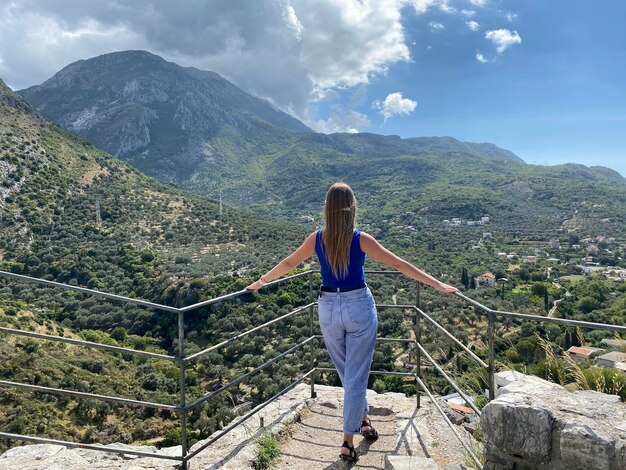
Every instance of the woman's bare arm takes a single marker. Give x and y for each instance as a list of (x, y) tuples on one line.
[(373, 249), (304, 252)]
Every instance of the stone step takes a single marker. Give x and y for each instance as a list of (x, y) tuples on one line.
[(409, 462)]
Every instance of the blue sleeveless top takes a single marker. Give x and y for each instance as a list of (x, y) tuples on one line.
[(356, 264)]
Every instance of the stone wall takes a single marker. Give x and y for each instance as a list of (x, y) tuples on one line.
[(535, 424)]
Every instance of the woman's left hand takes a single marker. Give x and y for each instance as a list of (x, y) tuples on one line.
[(446, 288), (255, 286)]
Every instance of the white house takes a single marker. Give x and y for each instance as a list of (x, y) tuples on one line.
[(486, 280)]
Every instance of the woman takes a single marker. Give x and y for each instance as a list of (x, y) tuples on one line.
[(347, 313)]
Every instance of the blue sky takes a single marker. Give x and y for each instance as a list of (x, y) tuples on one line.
[(549, 84), (558, 96)]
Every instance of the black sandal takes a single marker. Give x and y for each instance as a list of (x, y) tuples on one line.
[(352, 456), (372, 433)]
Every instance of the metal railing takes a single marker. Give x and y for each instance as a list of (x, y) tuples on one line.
[(419, 317)]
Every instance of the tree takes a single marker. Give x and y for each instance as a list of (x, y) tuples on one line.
[(465, 278), (588, 304)]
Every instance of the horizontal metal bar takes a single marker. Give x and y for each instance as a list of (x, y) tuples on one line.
[(394, 306), (448, 422), (562, 321), (246, 333), (240, 292), (469, 402), (374, 271), (247, 415), (88, 344), (121, 298), (372, 372), (101, 448), (241, 378), (73, 393), (452, 337), (472, 301), (541, 319), (396, 340)]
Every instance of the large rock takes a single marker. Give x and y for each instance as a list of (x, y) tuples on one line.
[(535, 424)]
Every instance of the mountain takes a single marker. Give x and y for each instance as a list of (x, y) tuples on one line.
[(163, 118), (69, 210), (193, 127), (237, 146), (374, 145)]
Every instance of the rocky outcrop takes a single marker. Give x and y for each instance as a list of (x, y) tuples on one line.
[(535, 424)]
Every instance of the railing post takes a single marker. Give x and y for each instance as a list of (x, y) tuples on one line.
[(311, 346), (491, 334), (418, 339), (183, 387)]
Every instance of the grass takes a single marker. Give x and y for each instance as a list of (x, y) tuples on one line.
[(479, 451), (572, 278), (268, 450)]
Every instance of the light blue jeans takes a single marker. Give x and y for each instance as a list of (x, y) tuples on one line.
[(349, 323)]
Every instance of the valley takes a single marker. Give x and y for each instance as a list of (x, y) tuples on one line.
[(75, 214)]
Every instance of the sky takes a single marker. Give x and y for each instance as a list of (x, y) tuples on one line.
[(543, 78)]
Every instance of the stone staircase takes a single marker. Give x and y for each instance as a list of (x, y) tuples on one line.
[(409, 439)]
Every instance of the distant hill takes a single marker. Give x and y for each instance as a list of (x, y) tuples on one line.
[(374, 145), (163, 118)]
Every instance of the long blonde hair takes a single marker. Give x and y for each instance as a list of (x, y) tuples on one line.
[(340, 222)]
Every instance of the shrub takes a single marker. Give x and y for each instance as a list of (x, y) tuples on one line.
[(268, 451)]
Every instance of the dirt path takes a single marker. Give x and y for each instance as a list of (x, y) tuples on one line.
[(553, 309)]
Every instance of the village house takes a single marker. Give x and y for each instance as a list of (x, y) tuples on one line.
[(583, 353), (610, 359), (486, 280)]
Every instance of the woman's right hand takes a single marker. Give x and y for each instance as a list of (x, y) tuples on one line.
[(255, 286), (446, 288)]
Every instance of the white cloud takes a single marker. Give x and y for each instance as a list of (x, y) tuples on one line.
[(478, 3), (342, 120), (435, 26), (468, 13), (473, 25), (511, 16), (395, 105), (288, 51), (421, 6), (481, 58), (289, 15), (503, 38)]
